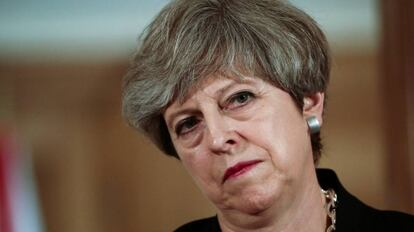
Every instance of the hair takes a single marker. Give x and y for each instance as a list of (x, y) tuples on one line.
[(192, 39)]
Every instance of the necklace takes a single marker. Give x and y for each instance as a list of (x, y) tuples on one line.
[(330, 207)]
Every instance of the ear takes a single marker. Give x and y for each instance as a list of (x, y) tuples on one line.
[(313, 106)]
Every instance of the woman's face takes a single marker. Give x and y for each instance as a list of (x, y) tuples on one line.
[(245, 143)]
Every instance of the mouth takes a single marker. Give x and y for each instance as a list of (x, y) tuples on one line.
[(239, 169)]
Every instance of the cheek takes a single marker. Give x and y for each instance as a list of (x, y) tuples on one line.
[(202, 172), (191, 161), (198, 166), (282, 134)]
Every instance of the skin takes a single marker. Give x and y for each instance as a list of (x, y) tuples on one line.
[(227, 121)]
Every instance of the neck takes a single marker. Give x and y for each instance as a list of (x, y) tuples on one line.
[(305, 212)]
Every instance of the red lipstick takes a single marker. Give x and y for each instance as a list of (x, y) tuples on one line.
[(239, 168)]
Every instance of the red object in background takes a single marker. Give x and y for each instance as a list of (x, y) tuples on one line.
[(19, 210), (5, 166)]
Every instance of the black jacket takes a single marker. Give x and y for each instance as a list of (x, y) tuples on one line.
[(351, 215)]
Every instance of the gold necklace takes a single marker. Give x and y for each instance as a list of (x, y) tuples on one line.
[(330, 207)]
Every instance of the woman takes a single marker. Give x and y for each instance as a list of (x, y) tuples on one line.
[(236, 91)]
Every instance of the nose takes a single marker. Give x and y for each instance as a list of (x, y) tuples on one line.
[(221, 135)]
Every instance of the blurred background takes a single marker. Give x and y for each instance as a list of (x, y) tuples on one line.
[(69, 163)]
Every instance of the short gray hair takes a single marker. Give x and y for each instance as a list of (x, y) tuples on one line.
[(192, 39)]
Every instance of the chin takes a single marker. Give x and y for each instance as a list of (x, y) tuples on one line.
[(256, 201)]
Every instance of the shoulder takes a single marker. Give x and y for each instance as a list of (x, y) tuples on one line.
[(354, 215), (202, 225), (385, 220)]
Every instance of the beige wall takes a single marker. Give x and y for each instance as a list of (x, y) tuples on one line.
[(96, 174), (354, 132)]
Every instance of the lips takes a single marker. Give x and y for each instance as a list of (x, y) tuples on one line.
[(239, 168)]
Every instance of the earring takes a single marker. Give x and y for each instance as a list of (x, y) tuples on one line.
[(313, 124)]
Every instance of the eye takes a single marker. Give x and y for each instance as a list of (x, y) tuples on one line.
[(239, 99), (186, 125)]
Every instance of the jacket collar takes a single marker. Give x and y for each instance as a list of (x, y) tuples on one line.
[(350, 211)]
